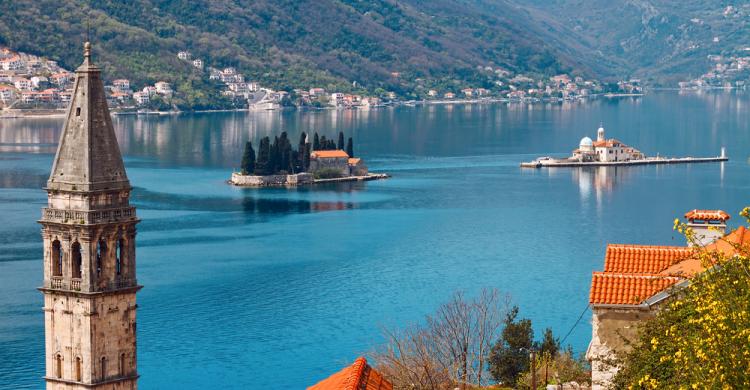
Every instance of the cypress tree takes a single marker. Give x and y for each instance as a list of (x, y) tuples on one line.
[(264, 156), (248, 159), (316, 142), (341, 141), (350, 147), (323, 143), (306, 158), (275, 158), (299, 159)]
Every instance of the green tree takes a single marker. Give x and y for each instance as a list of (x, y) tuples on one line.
[(248, 159), (509, 357), (350, 147), (262, 164), (549, 345), (316, 141), (340, 145)]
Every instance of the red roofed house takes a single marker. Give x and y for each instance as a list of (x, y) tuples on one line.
[(358, 376), (334, 160), (637, 279)]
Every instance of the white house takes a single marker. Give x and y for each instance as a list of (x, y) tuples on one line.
[(121, 85), (184, 55), (163, 88), (141, 98), (7, 94), (198, 63), (22, 84)]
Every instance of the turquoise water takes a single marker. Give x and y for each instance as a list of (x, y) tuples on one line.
[(275, 288)]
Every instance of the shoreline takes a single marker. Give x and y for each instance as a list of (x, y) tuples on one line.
[(295, 180)]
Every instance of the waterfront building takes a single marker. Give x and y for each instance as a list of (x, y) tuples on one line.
[(359, 375), (604, 150), (636, 282), (335, 160), (88, 229), (163, 88)]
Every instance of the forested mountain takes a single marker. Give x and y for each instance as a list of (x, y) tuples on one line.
[(290, 43), (369, 44), (659, 40)]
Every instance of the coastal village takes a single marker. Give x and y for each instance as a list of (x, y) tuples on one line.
[(728, 72), (30, 82)]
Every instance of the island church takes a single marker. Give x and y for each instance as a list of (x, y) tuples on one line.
[(88, 229)]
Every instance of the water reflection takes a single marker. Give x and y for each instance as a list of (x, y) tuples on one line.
[(600, 181)]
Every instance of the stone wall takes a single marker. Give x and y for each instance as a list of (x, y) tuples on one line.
[(271, 180), (610, 328)]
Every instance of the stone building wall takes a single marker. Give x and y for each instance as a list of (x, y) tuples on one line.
[(271, 180), (611, 327)]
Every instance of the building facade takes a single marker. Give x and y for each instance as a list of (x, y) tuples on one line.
[(88, 229), (636, 283)]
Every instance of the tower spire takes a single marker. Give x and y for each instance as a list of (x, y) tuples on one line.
[(88, 228)]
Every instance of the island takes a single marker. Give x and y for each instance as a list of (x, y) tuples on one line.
[(607, 152), (324, 160)]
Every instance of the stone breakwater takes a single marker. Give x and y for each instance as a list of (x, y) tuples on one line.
[(271, 180), (295, 179)]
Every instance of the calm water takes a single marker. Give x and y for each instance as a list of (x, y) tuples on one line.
[(279, 288)]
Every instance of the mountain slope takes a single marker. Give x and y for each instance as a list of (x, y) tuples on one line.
[(287, 43), (660, 40)]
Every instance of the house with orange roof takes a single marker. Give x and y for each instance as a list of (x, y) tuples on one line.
[(7, 94), (638, 279), (329, 160), (358, 376)]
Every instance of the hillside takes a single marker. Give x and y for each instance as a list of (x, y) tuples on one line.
[(662, 41), (288, 44)]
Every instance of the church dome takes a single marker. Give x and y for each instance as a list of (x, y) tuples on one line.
[(586, 144)]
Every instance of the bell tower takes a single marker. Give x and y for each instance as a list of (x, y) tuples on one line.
[(88, 229)]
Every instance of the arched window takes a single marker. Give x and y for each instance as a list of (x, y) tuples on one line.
[(101, 251), (57, 257), (58, 365), (104, 367), (120, 256), (75, 251), (122, 364), (78, 369)]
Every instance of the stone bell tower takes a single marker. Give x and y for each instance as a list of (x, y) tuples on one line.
[(88, 228)]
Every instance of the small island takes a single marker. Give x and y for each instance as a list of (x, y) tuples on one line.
[(277, 164), (609, 152)]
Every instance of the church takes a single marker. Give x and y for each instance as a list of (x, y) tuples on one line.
[(88, 229), (604, 150)]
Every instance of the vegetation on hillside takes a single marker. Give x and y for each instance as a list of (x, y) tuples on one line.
[(341, 45), (471, 343), (702, 338)]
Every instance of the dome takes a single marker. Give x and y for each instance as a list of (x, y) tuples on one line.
[(586, 144)]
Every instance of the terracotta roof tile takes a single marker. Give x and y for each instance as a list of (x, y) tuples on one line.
[(358, 376), (354, 161), (642, 258), (329, 154), (726, 245), (707, 215), (623, 289)]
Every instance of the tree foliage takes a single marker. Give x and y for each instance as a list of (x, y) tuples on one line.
[(701, 339), (510, 354), (248, 159)]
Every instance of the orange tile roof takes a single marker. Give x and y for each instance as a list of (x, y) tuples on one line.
[(642, 259), (625, 289), (358, 376), (354, 161), (609, 143), (727, 246), (707, 215), (329, 154)]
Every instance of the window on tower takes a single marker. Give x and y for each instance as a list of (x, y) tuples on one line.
[(101, 250), (122, 364), (75, 251), (104, 367), (78, 369), (57, 258), (119, 256), (58, 365)]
